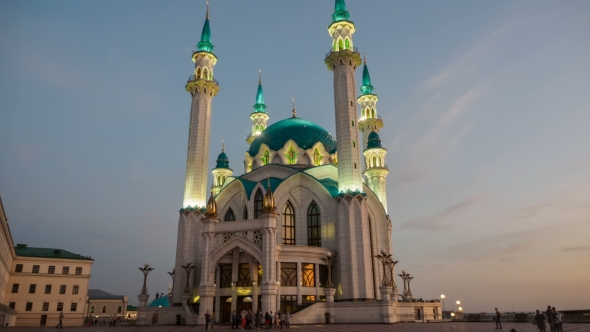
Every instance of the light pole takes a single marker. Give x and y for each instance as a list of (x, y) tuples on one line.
[(146, 269), (188, 268), (442, 296), (329, 260)]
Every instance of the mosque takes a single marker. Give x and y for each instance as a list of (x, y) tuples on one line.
[(303, 228)]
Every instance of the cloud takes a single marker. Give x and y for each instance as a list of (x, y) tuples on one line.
[(434, 222), (575, 248)]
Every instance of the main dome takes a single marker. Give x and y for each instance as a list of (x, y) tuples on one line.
[(305, 133)]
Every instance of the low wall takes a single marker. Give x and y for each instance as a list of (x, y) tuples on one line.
[(166, 316)]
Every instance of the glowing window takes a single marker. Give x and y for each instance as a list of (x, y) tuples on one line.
[(291, 155), (265, 158), (347, 43), (317, 157)]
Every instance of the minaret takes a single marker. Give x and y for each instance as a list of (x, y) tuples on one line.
[(202, 88), (376, 171), (259, 117), (343, 60), (221, 171), (369, 121)]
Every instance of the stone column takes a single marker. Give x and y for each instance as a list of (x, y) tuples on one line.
[(329, 293), (387, 306), (269, 286), (143, 298), (317, 281), (207, 294), (299, 282), (207, 287), (234, 278)]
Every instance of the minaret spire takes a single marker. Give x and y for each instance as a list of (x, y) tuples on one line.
[(259, 117), (205, 42), (369, 121), (294, 111)]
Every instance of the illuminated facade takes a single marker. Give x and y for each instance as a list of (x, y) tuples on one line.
[(261, 240)]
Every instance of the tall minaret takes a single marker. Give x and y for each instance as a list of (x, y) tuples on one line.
[(343, 60), (202, 88), (259, 117), (369, 121), (376, 172)]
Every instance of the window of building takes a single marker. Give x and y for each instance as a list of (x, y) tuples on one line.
[(308, 274), (65, 270), (62, 289), (91, 309), (291, 156), (245, 212), (244, 275), (265, 158), (74, 306), (225, 275), (60, 306), (18, 268), (51, 270), (230, 216), (29, 306), (119, 309), (103, 310), (258, 204), (78, 271), (323, 275), (288, 274), (32, 288), (288, 303), (317, 157), (75, 289), (45, 306), (47, 289), (314, 230), (260, 273), (36, 268), (12, 305), (15, 288), (289, 225)]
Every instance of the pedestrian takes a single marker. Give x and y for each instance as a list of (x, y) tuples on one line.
[(549, 315), (207, 320), (267, 320), (233, 319), (498, 316), (243, 317), (277, 319), (61, 321), (212, 320), (258, 319), (287, 318), (540, 321), (556, 320)]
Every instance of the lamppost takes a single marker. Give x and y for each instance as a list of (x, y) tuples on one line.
[(146, 269), (188, 269), (442, 296), (384, 259), (172, 275), (329, 260)]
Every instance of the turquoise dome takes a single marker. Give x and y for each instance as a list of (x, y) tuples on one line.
[(222, 161), (373, 141), (162, 301), (304, 133)]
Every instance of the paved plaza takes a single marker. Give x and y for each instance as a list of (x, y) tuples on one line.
[(401, 327)]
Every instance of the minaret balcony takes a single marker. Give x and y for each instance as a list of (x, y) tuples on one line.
[(355, 50), (193, 78), (195, 84)]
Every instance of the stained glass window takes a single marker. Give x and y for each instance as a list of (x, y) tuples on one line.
[(317, 157), (314, 233), (288, 274), (308, 275), (265, 158), (291, 155)]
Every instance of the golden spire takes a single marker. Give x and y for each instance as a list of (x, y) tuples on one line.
[(269, 199), (207, 1), (259, 76), (211, 211), (294, 111)]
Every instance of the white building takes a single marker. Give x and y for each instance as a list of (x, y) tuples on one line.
[(262, 239)]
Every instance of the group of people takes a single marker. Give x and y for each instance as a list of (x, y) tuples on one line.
[(553, 318), (248, 320)]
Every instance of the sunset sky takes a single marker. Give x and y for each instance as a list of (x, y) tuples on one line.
[(486, 106)]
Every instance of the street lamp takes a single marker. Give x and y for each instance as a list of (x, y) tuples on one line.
[(460, 308), (442, 296), (146, 269), (458, 302), (188, 268)]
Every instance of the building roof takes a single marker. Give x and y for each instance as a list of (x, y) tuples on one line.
[(340, 11), (305, 133), (374, 141), (25, 251), (97, 294), (205, 43), (222, 160), (162, 301)]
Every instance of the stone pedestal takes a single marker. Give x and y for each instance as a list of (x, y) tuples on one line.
[(207, 294), (385, 292), (143, 298), (269, 292), (329, 292), (387, 305), (395, 295)]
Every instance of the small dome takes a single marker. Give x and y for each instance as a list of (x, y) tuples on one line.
[(373, 141), (305, 133), (222, 161), (162, 301)]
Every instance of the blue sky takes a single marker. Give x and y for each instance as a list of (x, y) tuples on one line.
[(486, 110)]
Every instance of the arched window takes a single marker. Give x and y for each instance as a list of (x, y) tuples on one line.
[(205, 73), (211, 75), (379, 161), (199, 72), (340, 46), (317, 157), (258, 204), (265, 158), (245, 216), (291, 155), (363, 113), (335, 46), (374, 161), (347, 44), (119, 310), (374, 115), (91, 309), (289, 225), (314, 230), (229, 216), (103, 310)]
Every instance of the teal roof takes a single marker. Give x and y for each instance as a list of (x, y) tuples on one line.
[(162, 301), (305, 133), (367, 88), (250, 185), (373, 141), (25, 251), (340, 11), (260, 106), (222, 161), (205, 43), (331, 186)]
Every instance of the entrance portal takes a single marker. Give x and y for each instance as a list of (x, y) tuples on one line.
[(225, 308), (244, 303)]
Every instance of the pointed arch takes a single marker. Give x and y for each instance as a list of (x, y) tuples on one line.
[(314, 230), (205, 73), (289, 225), (245, 213), (374, 161), (198, 72), (265, 158), (347, 43), (340, 44), (258, 203), (230, 216)]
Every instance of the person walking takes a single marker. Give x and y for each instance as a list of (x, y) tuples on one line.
[(267, 320), (498, 317), (207, 320), (549, 315), (61, 321), (540, 321), (558, 321), (212, 320), (287, 318)]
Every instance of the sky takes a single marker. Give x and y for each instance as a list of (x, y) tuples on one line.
[(485, 104)]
